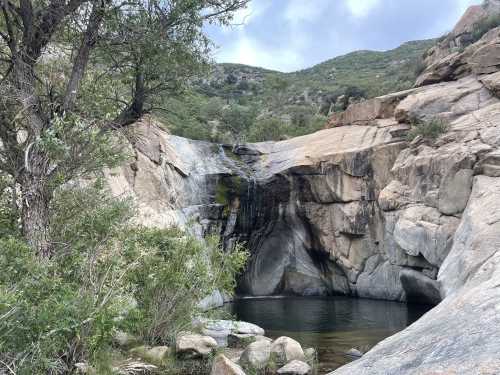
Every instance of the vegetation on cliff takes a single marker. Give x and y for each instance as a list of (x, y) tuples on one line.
[(273, 105)]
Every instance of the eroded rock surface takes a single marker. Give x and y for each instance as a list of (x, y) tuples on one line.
[(359, 210)]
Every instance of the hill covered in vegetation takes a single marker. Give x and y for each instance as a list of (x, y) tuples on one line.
[(239, 103)]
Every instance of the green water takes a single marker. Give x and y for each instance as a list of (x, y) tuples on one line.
[(330, 325)]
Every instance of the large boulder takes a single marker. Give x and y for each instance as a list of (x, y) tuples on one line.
[(223, 366), (190, 345), (285, 349), (256, 355)]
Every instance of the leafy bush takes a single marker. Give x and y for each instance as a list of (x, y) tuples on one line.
[(430, 129), (107, 275), (171, 272), (55, 312)]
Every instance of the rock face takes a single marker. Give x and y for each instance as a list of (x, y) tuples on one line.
[(358, 210), (345, 210)]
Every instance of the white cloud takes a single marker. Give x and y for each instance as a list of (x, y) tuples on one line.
[(361, 8), (248, 51), (297, 11)]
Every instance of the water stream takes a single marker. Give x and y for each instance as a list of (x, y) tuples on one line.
[(331, 325)]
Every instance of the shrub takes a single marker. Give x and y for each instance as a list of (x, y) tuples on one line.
[(107, 275), (485, 25), (171, 272), (56, 312), (430, 129)]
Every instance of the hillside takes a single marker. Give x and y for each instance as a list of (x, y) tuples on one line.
[(244, 103)]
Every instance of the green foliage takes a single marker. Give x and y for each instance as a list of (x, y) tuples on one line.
[(54, 312), (171, 272), (273, 106), (106, 275), (485, 25), (78, 147), (430, 129)]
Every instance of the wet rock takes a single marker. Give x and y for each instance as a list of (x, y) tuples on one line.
[(284, 349), (295, 368), (189, 345), (223, 366), (353, 352), (256, 355)]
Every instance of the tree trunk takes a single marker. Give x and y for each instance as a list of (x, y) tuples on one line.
[(36, 215), (136, 109), (82, 58)]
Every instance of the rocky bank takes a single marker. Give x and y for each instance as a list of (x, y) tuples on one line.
[(357, 209)]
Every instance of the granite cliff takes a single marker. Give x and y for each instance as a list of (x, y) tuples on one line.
[(358, 209)]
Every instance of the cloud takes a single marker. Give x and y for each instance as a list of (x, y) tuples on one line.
[(248, 51), (298, 11), (289, 35), (361, 8)]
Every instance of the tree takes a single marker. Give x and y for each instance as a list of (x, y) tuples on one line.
[(60, 99)]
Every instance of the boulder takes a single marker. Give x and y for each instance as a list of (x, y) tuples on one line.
[(156, 355), (423, 231), (295, 368), (234, 327), (419, 288), (223, 366), (220, 330), (256, 355), (189, 345), (285, 349)]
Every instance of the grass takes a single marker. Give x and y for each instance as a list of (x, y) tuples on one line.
[(430, 129)]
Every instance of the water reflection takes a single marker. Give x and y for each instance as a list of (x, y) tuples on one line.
[(331, 325)]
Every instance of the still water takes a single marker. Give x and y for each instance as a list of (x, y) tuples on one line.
[(330, 325)]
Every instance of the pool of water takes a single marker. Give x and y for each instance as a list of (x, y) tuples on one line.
[(330, 325)]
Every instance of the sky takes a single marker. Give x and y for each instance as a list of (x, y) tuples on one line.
[(289, 35)]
